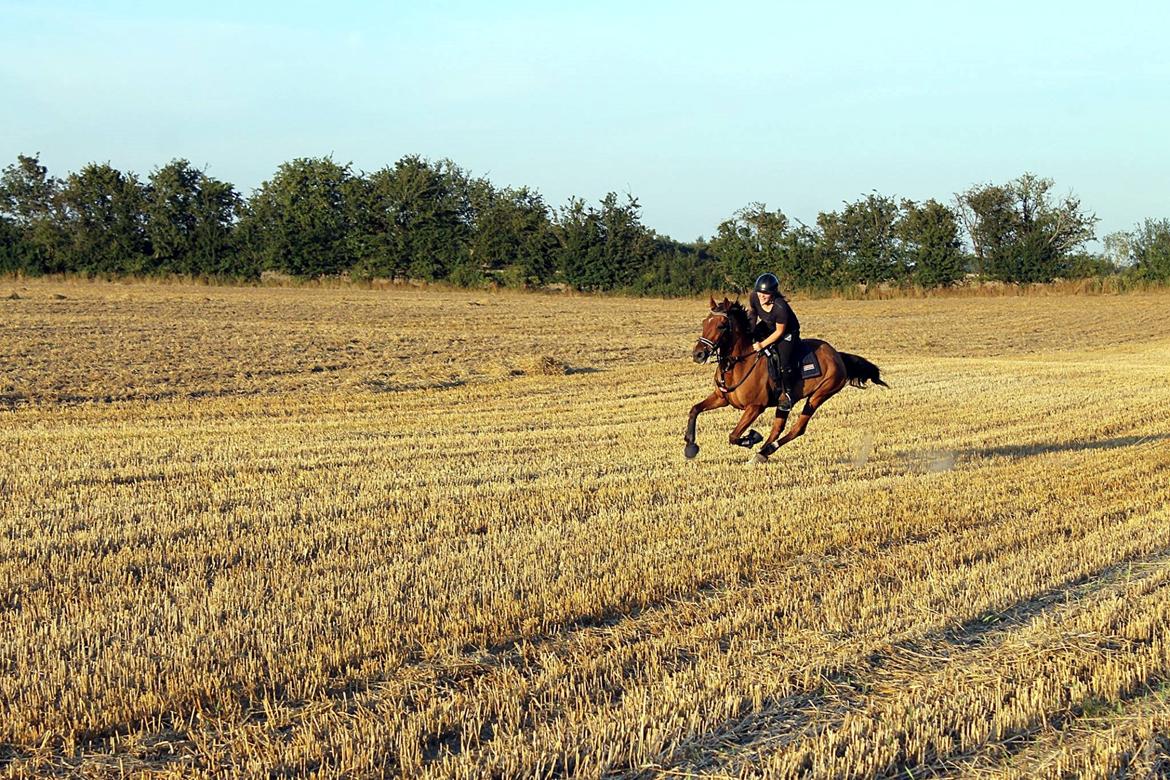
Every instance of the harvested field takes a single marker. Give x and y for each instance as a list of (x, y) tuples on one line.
[(264, 532)]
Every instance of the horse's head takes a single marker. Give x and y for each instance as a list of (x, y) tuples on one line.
[(718, 328)]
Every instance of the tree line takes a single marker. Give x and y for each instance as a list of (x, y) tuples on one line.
[(432, 220)]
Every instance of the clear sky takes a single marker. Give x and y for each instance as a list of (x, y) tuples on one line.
[(696, 108)]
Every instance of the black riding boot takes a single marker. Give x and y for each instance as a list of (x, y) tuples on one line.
[(793, 384), (786, 398)]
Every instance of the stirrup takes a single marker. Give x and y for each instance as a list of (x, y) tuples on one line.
[(784, 403)]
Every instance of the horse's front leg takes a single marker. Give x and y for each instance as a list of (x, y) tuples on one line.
[(713, 401), (750, 413)]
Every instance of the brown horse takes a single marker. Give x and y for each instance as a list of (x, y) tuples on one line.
[(741, 379)]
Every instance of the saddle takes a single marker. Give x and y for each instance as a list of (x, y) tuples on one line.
[(806, 363)]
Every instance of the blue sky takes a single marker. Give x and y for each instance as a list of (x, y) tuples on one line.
[(695, 108)]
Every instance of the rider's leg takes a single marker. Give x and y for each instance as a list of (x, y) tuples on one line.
[(786, 355)]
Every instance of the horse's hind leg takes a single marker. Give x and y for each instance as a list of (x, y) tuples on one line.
[(810, 407), (777, 429), (798, 428)]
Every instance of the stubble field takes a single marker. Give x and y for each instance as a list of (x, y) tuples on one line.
[(347, 532)]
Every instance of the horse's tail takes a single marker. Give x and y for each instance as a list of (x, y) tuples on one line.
[(858, 371)]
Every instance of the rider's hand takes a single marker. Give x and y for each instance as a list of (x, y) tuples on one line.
[(756, 346)]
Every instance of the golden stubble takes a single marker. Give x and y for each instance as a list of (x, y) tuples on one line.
[(351, 532)]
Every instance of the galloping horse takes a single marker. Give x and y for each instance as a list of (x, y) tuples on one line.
[(741, 379)]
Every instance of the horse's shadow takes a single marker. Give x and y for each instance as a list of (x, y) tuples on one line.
[(945, 459), (386, 386), (1029, 450)]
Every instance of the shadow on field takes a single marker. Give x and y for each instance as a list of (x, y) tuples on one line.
[(786, 721), (1027, 450), (12, 400), (385, 386)]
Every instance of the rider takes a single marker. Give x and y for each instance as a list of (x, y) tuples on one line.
[(776, 330)]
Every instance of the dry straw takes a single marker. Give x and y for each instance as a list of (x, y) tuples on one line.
[(353, 533)]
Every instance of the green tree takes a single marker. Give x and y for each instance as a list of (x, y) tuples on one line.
[(629, 245), (1149, 250), (190, 220), (1022, 233), (418, 220), (930, 235), (105, 222), (513, 236), (753, 241), (581, 247), (1117, 248), (218, 207), (756, 240), (1083, 265), (815, 267), (679, 269), (368, 236), (30, 204), (11, 246), (862, 240), (298, 223), (603, 249), (988, 217)]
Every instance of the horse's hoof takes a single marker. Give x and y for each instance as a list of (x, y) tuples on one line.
[(691, 450), (757, 460)]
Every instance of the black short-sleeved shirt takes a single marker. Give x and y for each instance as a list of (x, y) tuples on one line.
[(764, 323)]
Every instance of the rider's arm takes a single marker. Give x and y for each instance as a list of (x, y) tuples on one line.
[(772, 339), (776, 336)]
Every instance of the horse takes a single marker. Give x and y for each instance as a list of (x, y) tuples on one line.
[(742, 382)]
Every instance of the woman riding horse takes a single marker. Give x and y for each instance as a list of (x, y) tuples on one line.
[(727, 337), (776, 331)]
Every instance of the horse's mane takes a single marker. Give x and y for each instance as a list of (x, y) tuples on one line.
[(736, 312)]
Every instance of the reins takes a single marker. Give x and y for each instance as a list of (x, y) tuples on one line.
[(719, 381), (725, 364)]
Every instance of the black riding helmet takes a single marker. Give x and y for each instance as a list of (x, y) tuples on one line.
[(767, 283)]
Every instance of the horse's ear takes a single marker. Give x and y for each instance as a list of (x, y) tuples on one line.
[(712, 303), (726, 302)]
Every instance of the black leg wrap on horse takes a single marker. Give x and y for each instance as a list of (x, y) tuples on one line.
[(808, 409), (749, 439)]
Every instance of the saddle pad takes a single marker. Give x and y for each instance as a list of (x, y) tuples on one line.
[(809, 367)]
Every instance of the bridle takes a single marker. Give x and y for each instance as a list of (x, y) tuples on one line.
[(726, 363), (712, 345)]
